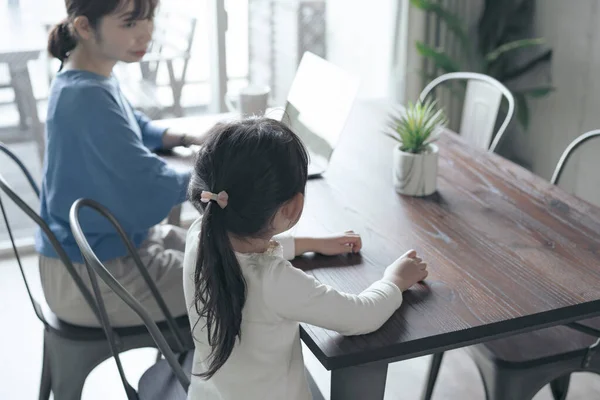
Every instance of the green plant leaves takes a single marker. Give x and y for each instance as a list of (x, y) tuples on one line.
[(454, 24), (439, 58), (536, 92), (522, 110), (514, 45), (417, 127), (546, 56), (503, 28)]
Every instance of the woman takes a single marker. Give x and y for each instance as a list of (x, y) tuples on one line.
[(99, 147)]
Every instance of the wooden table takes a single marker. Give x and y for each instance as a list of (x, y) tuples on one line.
[(508, 252)]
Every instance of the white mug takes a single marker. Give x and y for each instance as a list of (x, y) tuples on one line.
[(251, 101)]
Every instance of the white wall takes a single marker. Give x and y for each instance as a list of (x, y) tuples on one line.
[(360, 40)]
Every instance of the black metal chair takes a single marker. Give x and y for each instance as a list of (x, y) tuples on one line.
[(157, 382), (517, 367), (72, 352)]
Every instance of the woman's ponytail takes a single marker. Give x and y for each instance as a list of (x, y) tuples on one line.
[(61, 41)]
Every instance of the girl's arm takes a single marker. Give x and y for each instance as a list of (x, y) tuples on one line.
[(294, 295), (347, 242)]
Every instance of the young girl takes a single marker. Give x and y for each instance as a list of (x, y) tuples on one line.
[(245, 300), (100, 148)]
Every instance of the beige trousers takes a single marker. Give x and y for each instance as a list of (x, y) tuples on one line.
[(162, 254)]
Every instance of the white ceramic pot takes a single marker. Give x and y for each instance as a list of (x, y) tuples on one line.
[(415, 174)]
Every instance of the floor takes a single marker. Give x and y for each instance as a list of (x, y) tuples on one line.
[(21, 352)]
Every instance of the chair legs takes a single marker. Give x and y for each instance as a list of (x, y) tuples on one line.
[(71, 362), (522, 383), (434, 368), (501, 384), (68, 362), (560, 387), (46, 380)]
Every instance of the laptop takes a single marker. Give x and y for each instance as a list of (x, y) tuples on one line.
[(317, 108)]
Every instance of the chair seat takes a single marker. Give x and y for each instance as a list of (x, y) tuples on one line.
[(76, 332), (539, 347), (159, 382)]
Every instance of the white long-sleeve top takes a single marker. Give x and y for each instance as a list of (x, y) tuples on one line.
[(267, 362)]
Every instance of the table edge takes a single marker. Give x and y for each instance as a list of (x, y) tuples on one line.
[(455, 339)]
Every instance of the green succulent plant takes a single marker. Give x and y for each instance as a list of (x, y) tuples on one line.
[(417, 126)]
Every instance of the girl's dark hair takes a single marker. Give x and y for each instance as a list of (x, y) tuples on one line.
[(261, 164), (62, 39)]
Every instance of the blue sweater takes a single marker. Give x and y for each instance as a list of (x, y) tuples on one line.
[(99, 148)]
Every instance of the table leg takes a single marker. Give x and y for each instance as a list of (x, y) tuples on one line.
[(19, 100), (359, 383), (19, 75), (434, 368), (174, 217)]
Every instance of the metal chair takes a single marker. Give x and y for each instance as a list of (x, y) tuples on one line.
[(517, 367), (566, 155), (480, 109), (71, 352), (158, 374)]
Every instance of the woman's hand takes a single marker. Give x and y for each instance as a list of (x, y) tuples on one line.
[(194, 140), (173, 138)]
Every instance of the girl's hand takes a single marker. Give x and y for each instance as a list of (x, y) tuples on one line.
[(331, 245), (406, 271), (343, 243)]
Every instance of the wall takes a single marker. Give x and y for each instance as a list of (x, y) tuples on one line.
[(571, 28), (360, 39)]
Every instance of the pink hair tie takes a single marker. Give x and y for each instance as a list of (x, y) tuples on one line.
[(222, 198)]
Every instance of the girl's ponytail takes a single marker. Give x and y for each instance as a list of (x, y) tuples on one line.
[(220, 287)]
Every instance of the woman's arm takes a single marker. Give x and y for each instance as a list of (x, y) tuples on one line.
[(156, 136), (120, 172)]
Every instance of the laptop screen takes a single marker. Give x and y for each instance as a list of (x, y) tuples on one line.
[(319, 103)]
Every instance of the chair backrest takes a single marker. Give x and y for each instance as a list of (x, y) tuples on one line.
[(174, 33), (6, 188), (576, 169), (480, 110), (569, 151), (95, 267)]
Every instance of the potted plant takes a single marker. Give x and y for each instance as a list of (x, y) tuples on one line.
[(500, 46), (415, 158)]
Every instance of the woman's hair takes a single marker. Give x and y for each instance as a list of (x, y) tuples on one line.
[(62, 39), (261, 164)]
